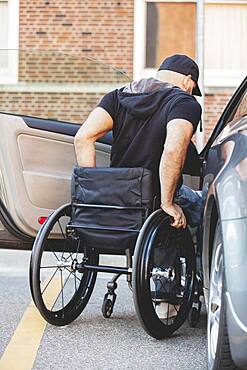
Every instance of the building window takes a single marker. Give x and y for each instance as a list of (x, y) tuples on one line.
[(164, 22), (165, 27), (9, 22), (162, 28), (3, 33), (225, 42)]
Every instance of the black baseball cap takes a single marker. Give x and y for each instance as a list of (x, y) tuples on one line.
[(183, 64)]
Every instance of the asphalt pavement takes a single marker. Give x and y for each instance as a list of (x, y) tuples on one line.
[(91, 341)]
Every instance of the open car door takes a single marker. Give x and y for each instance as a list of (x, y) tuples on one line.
[(37, 154)]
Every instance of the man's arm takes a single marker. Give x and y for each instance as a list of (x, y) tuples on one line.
[(98, 123), (179, 133)]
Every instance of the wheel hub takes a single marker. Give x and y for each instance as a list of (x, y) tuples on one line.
[(64, 264), (168, 273)]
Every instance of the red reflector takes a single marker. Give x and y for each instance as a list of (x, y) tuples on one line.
[(42, 220)]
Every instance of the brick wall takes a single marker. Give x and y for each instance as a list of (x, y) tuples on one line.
[(70, 107), (47, 66), (101, 29), (215, 103)]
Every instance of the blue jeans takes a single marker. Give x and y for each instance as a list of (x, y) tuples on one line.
[(192, 203)]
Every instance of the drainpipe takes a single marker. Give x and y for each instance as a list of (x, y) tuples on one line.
[(200, 62)]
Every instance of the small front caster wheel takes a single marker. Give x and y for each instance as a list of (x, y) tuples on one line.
[(194, 317), (107, 308)]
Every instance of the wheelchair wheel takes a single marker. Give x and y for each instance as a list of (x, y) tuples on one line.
[(59, 290), (163, 276)]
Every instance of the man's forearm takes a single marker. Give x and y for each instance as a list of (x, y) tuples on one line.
[(179, 133), (98, 123), (171, 165), (85, 153)]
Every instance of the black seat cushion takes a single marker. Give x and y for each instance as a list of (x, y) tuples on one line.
[(107, 202)]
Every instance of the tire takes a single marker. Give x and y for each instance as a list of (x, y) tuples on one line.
[(219, 353), (195, 312), (194, 317), (59, 290), (107, 308), (155, 237)]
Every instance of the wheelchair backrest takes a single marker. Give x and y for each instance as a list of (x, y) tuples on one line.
[(109, 205)]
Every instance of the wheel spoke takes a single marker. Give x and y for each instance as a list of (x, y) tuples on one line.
[(217, 315), (168, 305), (167, 316), (75, 281), (155, 298), (74, 275), (212, 318), (215, 300), (78, 246), (64, 243), (52, 250), (48, 267), (61, 291), (61, 229), (214, 333), (49, 281), (162, 284), (61, 276), (70, 256)]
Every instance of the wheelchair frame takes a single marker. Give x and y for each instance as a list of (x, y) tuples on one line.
[(137, 273)]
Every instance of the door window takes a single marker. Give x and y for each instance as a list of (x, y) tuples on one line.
[(239, 111), (242, 108)]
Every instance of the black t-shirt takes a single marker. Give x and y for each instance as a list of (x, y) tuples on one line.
[(140, 115)]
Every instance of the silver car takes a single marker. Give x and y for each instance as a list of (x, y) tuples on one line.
[(224, 255)]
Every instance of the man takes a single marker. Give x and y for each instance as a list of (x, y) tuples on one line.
[(153, 121)]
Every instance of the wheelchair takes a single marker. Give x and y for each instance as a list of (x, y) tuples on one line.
[(159, 258)]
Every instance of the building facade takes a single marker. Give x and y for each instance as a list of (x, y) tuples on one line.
[(55, 75)]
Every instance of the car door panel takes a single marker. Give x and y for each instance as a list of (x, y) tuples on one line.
[(59, 127), (36, 167)]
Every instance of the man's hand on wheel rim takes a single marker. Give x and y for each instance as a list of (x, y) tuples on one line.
[(176, 212)]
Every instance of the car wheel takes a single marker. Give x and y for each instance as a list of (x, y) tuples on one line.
[(219, 353)]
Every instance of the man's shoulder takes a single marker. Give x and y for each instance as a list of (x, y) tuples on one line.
[(182, 97), (179, 94)]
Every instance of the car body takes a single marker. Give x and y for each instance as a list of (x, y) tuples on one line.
[(36, 160), (224, 183)]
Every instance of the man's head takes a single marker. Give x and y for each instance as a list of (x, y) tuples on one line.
[(181, 71)]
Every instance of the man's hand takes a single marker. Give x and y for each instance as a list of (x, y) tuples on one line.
[(176, 212)]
